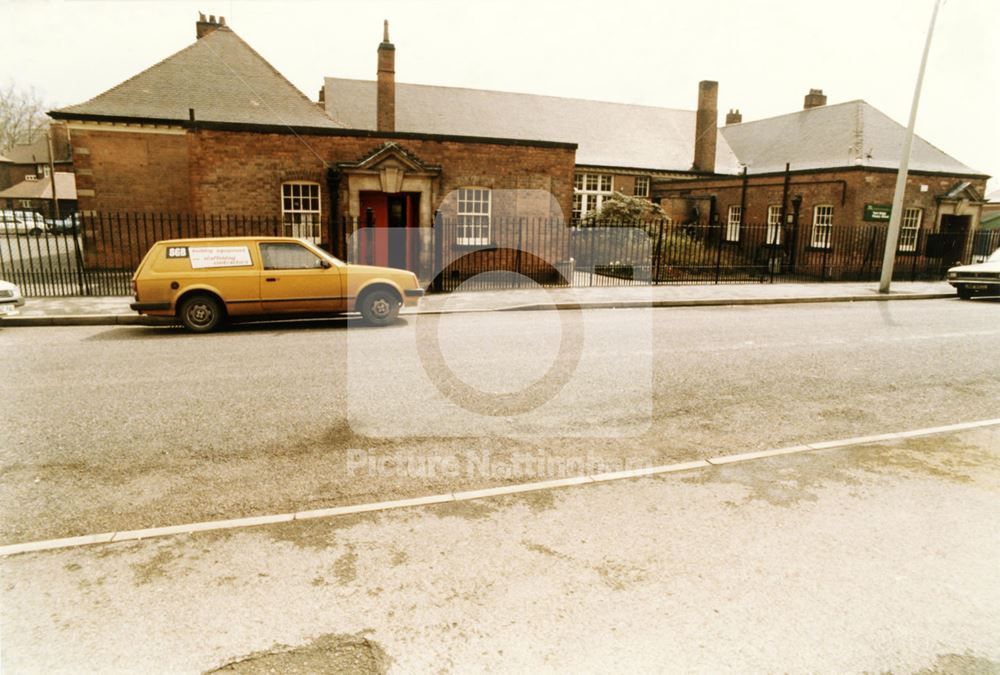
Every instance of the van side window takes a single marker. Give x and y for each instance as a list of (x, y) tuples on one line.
[(288, 257)]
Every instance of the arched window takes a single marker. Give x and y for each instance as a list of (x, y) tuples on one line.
[(300, 210)]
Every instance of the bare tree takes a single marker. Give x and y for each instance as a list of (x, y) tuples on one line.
[(22, 115)]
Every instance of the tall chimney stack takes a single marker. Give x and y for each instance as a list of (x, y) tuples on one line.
[(734, 117), (385, 110), (705, 126), (814, 99)]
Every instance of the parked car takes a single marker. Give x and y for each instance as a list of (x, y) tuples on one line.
[(22, 222), (10, 298), (12, 223), (67, 225), (979, 279), (204, 282)]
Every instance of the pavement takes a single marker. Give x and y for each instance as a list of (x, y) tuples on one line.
[(69, 311), (878, 558)]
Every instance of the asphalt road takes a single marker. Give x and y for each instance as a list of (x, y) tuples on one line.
[(128, 427), (869, 559)]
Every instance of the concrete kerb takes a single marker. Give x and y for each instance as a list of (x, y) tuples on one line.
[(138, 320), (254, 521), (85, 320), (720, 302)]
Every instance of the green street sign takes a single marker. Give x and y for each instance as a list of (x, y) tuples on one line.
[(878, 212)]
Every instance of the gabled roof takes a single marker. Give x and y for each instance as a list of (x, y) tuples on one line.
[(220, 76), (36, 152), (833, 136), (608, 134), (42, 188)]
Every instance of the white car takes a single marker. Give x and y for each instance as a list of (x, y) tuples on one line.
[(980, 279), (10, 298), (22, 222)]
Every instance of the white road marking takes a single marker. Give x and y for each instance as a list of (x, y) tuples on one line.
[(135, 535)]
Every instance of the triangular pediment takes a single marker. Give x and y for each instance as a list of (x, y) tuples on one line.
[(390, 156), (963, 190)]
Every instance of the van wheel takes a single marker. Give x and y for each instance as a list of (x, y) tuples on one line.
[(201, 313), (379, 307), (35, 232)]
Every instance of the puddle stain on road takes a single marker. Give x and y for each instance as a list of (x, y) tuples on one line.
[(961, 664), (619, 575), (328, 654), (318, 533), (790, 480), (345, 568), (155, 567)]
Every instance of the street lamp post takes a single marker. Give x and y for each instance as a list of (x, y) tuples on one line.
[(896, 216)]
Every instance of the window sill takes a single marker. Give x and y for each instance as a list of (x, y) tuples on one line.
[(489, 246), (820, 249)]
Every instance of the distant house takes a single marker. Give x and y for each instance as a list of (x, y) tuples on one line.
[(35, 194), (5, 171), (32, 159)]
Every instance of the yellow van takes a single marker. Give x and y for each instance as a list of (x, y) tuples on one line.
[(204, 282)]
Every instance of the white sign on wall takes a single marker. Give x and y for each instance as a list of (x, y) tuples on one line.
[(219, 256)]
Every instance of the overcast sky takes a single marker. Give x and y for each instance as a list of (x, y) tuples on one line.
[(765, 54)]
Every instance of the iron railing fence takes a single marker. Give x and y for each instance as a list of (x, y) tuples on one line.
[(513, 252), (96, 254)]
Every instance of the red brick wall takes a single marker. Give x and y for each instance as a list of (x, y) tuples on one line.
[(847, 190), (242, 172), (125, 171)]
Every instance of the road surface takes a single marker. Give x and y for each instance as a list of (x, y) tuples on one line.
[(111, 428)]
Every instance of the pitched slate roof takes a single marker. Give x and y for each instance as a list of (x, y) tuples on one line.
[(608, 134), (42, 188), (221, 77), (833, 136)]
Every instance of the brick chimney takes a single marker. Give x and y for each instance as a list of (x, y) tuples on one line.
[(706, 126), (733, 117), (385, 109), (206, 26), (814, 99)]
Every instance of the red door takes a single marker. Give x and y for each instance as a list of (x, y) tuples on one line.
[(392, 241)]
